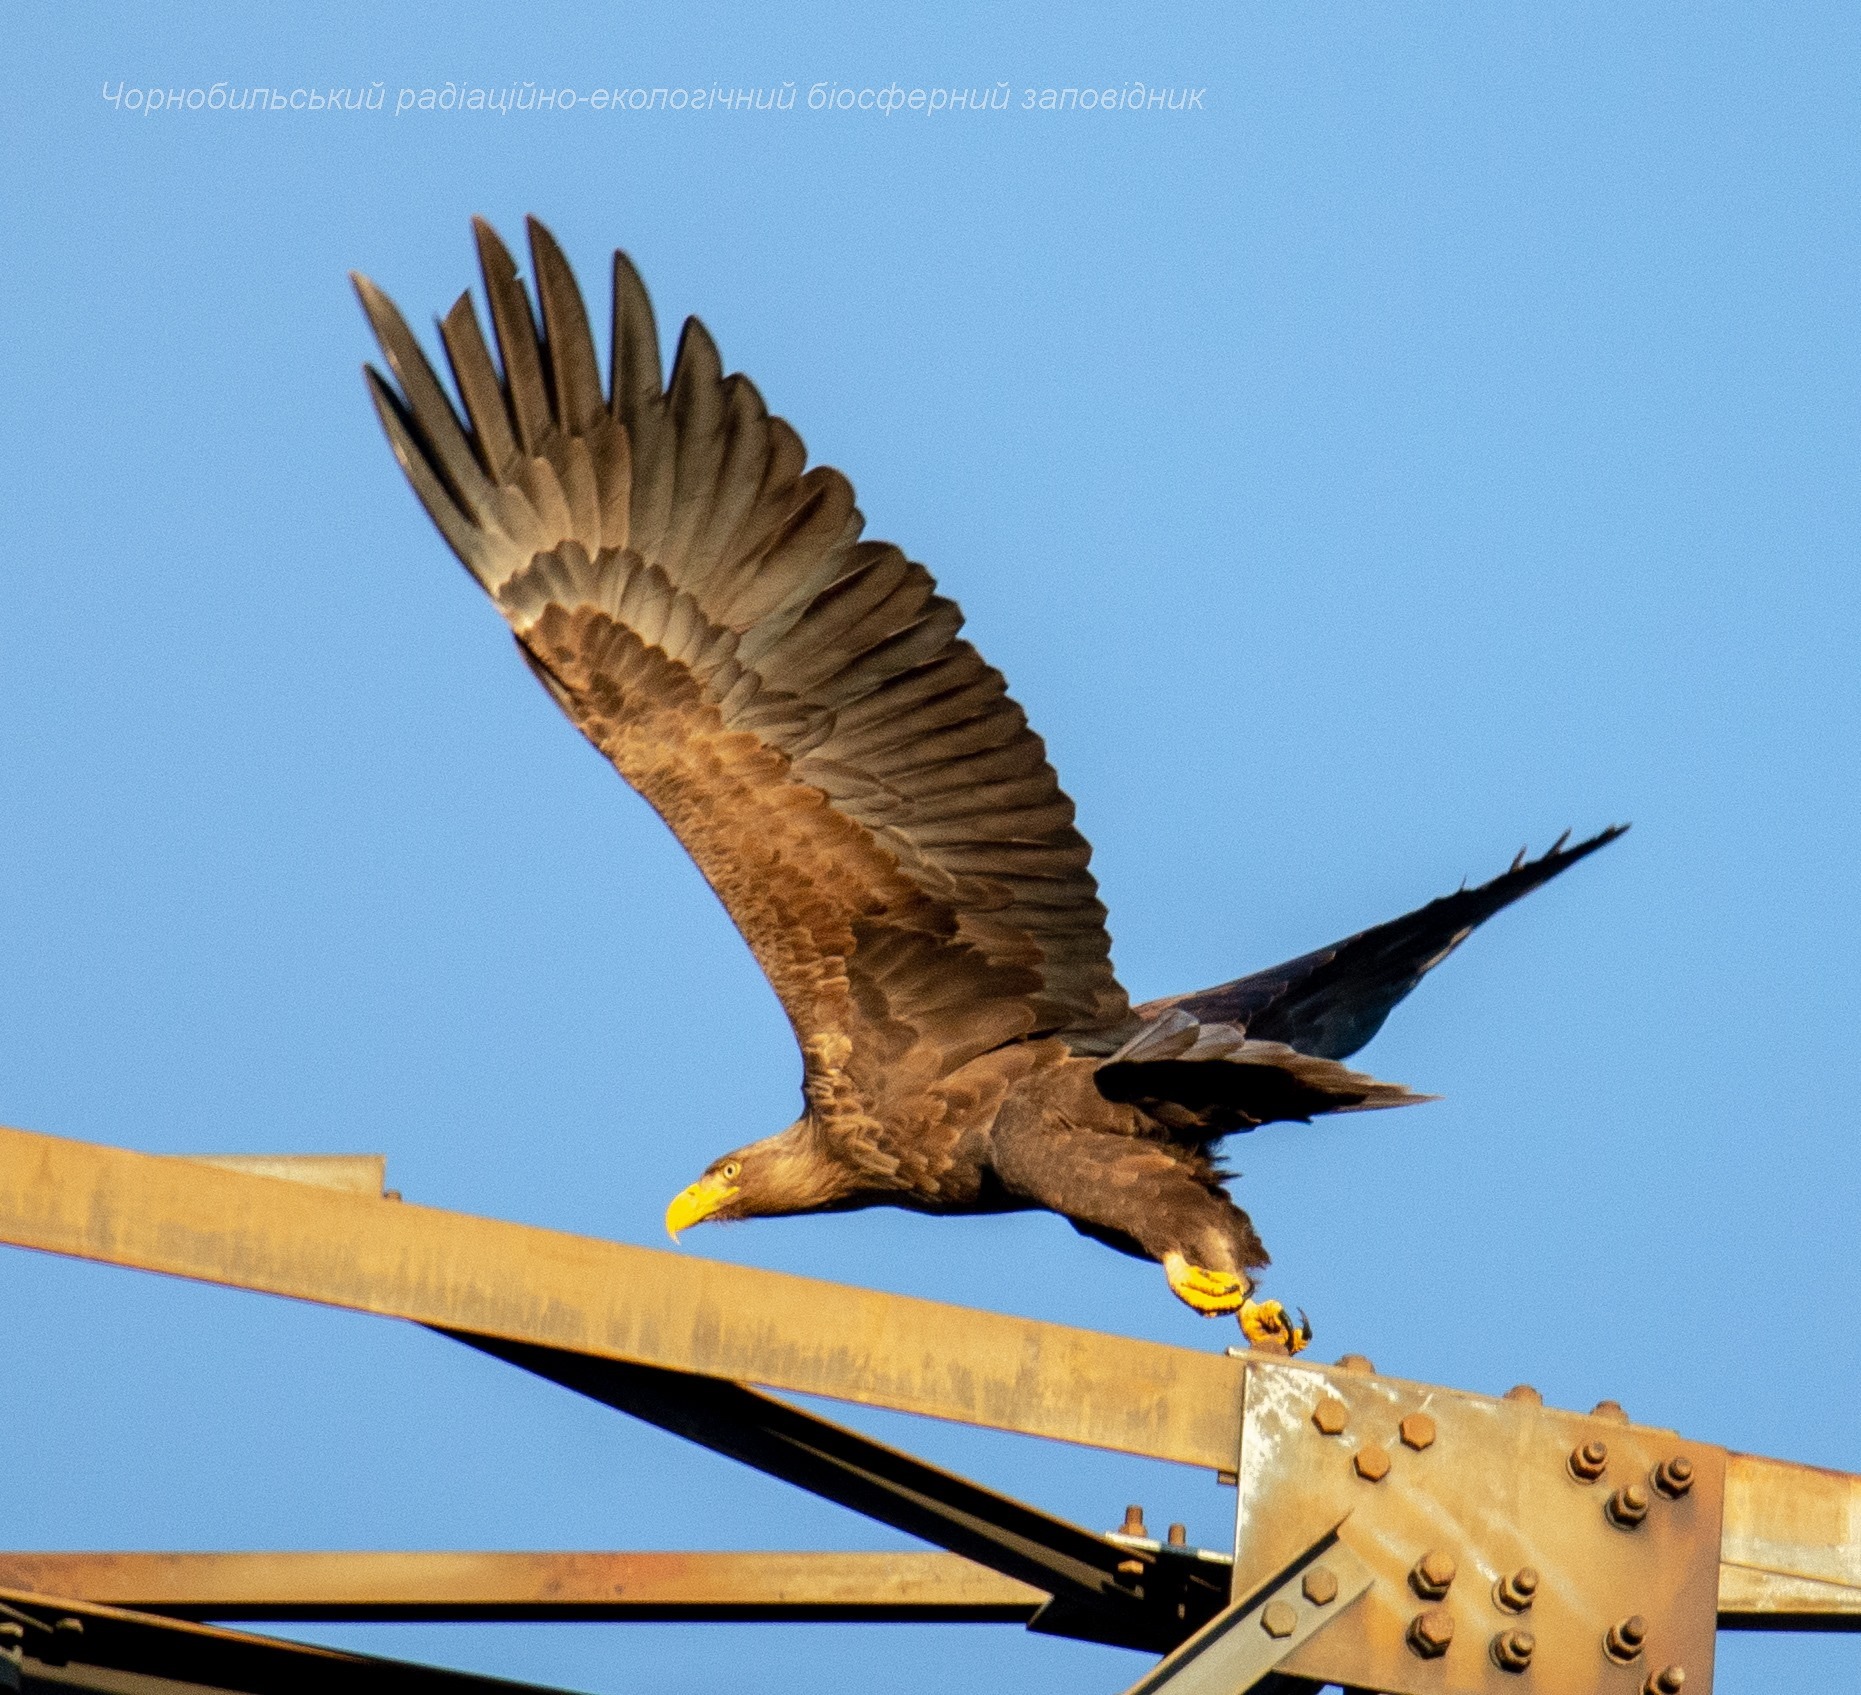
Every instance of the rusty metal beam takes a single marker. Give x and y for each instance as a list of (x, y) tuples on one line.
[(1103, 1590), (613, 1301), (68, 1643), (1790, 1548), (380, 1588), (356, 1174)]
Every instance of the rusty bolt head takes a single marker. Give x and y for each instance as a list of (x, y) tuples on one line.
[(1516, 1592), (1331, 1415), (1320, 1586), (1133, 1522), (1371, 1463), (1432, 1574), (1278, 1619), (1673, 1477), (1526, 1393), (1590, 1461), (1628, 1506), (1611, 1410), (1179, 1536), (1356, 1362), (1623, 1643), (1669, 1680), (1431, 1632), (1513, 1649), (1417, 1431)]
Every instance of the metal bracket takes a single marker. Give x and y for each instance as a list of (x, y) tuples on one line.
[(1514, 1547)]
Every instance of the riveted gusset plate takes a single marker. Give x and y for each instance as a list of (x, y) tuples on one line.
[(1489, 1484)]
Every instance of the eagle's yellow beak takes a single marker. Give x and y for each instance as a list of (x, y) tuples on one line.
[(696, 1204)]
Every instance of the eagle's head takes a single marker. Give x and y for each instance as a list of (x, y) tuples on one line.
[(785, 1173)]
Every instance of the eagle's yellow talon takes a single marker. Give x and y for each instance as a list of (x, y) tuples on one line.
[(1211, 1293), (1266, 1326)]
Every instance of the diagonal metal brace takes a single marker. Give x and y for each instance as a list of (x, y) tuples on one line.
[(1103, 1591), (1241, 1646)]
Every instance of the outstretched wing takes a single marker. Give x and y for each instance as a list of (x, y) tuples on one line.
[(850, 776), (1331, 1002)]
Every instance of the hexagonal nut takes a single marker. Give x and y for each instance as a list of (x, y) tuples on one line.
[(1669, 1680), (1627, 1507), (1516, 1590), (1624, 1641), (1512, 1649), (1331, 1415), (1279, 1619), (1673, 1477), (1417, 1431), (1320, 1586), (1589, 1460), (1433, 1574), (1431, 1632), (1371, 1463)]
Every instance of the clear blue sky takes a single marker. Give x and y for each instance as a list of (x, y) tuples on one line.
[(1444, 435)]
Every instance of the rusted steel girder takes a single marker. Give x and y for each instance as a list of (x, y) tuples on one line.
[(1790, 1538), (65, 1643), (381, 1588), (1791, 1551), (613, 1301)]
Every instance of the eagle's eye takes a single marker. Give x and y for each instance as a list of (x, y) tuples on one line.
[(728, 1170)]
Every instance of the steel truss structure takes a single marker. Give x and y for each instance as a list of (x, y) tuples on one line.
[(1390, 1536)]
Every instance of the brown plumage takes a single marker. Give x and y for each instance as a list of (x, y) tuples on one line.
[(870, 806)]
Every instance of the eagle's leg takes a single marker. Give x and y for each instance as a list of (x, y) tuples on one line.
[(1157, 1200)]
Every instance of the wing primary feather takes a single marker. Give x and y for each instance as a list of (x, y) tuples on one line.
[(465, 538), (634, 382), (444, 436), (577, 378), (515, 325), (480, 387)]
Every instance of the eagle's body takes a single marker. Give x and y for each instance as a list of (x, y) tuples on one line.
[(870, 806)]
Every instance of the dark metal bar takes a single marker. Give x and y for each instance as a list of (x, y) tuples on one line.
[(1240, 1648), (65, 1644), (1103, 1591)]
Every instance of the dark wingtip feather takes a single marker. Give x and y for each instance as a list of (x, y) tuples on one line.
[(575, 377), (635, 378), (465, 538), (1332, 1001), (519, 344)]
